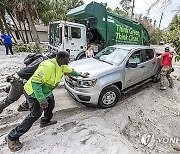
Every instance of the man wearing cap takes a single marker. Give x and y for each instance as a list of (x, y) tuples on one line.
[(166, 69), (40, 97)]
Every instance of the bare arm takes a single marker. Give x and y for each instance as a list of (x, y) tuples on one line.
[(92, 53), (159, 57), (86, 53)]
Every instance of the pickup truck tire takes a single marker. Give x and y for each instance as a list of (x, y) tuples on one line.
[(109, 97), (156, 78)]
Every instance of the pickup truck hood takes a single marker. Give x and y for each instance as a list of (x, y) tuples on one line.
[(92, 66)]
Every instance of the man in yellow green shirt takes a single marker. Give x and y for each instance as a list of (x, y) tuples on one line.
[(38, 91)]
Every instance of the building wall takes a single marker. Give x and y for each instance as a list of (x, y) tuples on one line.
[(43, 36)]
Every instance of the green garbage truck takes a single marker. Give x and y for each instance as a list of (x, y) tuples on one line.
[(94, 25)]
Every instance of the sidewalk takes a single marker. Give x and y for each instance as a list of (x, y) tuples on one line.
[(9, 64), (2, 50)]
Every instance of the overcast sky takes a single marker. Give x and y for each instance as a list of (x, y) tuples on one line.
[(141, 7)]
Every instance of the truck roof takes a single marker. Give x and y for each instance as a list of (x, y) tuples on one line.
[(131, 47), (68, 23)]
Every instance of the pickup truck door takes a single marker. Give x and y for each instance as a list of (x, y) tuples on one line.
[(134, 75), (150, 63)]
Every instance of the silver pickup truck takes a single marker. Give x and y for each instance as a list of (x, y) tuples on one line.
[(112, 71)]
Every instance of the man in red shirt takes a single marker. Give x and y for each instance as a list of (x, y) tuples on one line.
[(166, 69)]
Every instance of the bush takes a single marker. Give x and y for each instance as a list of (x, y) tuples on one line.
[(177, 58), (26, 48), (173, 34)]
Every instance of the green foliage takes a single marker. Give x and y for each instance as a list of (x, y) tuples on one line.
[(177, 58), (156, 36), (21, 48), (57, 10), (117, 10), (173, 34), (27, 48), (150, 25), (120, 12)]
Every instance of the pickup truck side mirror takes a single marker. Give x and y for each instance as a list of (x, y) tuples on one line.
[(132, 65)]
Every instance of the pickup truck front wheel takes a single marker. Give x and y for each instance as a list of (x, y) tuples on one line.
[(109, 97)]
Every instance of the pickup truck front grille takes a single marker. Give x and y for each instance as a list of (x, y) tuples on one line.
[(71, 81)]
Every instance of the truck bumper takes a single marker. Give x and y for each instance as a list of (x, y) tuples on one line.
[(89, 98)]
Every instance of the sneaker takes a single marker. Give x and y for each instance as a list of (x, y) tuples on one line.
[(177, 148), (49, 123), (163, 88), (7, 89), (13, 145)]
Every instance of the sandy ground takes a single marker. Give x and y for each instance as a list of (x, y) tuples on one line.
[(145, 120)]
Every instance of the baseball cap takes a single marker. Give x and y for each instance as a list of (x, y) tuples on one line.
[(166, 49)]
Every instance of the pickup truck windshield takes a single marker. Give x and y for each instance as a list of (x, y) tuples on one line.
[(112, 55)]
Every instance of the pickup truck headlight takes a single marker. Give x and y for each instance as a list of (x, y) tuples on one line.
[(87, 83)]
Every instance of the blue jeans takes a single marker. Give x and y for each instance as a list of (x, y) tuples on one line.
[(8, 47)]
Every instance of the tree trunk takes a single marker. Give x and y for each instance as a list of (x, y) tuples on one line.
[(29, 30), (23, 39), (27, 39), (7, 27), (15, 25), (33, 28), (1, 26)]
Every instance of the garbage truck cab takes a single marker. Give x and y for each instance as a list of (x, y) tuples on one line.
[(67, 36), (94, 25)]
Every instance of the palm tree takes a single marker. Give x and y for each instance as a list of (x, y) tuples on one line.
[(28, 7), (30, 11), (1, 26), (3, 7), (57, 10), (10, 9)]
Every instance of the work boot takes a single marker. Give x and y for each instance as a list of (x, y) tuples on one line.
[(13, 145), (47, 124), (162, 88), (176, 147), (7, 89)]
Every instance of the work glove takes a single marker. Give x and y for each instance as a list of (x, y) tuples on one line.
[(44, 104), (12, 78)]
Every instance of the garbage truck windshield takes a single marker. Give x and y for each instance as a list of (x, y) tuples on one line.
[(55, 34)]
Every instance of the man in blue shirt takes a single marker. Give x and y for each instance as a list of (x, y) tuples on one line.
[(7, 42)]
